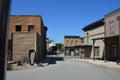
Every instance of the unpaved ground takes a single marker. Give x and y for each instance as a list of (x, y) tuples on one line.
[(69, 69)]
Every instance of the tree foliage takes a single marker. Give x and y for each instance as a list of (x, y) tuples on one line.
[(60, 47)]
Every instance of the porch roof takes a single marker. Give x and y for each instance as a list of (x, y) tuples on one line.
[(94, 25), (85, 45), (105, 37)]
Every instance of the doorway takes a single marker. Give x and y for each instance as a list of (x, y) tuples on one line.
[(113, 52)]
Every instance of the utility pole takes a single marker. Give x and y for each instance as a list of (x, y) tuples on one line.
[(4, 16)]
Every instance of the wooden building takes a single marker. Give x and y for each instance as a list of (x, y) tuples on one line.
[(27, 32), (71, 43), (112, 34), (92, 31)]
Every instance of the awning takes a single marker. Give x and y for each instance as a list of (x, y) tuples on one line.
[(105, 37), (85, 45)]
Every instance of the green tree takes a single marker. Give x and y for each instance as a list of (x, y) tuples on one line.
[(60, 47)]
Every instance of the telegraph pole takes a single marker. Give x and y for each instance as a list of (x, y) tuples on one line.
[(4, 27)]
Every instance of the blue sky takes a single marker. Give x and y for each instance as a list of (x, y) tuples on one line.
[(65, 17)]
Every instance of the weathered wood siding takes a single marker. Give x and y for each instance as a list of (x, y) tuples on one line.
[(22, 43)]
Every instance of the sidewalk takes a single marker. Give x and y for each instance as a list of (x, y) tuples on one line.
[(108, 64)]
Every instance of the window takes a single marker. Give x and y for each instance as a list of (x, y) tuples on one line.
[(118, 18), (71, 43), (82, 41), (76, 42), (67, 42), (119, 23), (111, 27), (31, 28), (18, 27), (87, 37)]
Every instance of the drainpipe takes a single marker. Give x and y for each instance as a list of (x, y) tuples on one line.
[(4, 16)]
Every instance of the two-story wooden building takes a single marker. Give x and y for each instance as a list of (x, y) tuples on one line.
[(93, 31), (27, 33), (71, 43), (112, 34), (102, 38)]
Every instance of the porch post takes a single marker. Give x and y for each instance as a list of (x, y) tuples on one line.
[(118, 18), (105, 50), (4, 16)]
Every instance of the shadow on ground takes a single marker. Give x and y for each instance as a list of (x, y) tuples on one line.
[(51, 59)]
